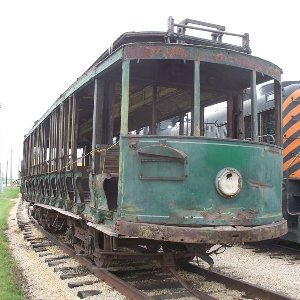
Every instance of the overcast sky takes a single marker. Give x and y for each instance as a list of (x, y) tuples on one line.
[(47, 44)]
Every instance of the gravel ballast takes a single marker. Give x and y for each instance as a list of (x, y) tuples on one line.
[(279, 274), (40, 281)]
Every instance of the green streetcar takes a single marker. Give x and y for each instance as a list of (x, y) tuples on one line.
[(97, 167)]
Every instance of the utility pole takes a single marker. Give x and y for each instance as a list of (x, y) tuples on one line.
[(11, 169), (6, 173), (19, 172)]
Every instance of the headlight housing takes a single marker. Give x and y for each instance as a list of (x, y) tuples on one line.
[(229, 182)]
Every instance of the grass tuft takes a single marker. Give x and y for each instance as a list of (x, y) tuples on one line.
[(9, 288), (10, 193)]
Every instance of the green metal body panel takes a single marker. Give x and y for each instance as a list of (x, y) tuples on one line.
[(97, 210), (171, 180)]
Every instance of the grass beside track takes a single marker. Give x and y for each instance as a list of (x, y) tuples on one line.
[(9, 288)]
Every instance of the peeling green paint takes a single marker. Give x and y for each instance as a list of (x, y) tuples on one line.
[(195, 200)]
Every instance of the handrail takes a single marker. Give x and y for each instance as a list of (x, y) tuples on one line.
[(204, 26), (267, 136)]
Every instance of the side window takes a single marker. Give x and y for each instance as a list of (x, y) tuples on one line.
[(270, 97), (175, 126), (215, 121)]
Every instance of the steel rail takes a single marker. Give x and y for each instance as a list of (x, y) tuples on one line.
[(251, 290), (288, 245), (115, 282), (196, 293), (133, 293), (121, 286)]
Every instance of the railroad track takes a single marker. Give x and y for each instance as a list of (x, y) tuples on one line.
[(277, 249), (134, 280)]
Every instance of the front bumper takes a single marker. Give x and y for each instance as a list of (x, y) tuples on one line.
[(203, 235)]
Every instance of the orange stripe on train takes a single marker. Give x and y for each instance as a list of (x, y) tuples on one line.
[(292, 130), (294, 112), (290, 99), (291, 162), (291, 146), (295, 174)]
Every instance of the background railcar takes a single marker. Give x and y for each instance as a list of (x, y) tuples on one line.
[(291, 160), (215, 121), (97, 166)]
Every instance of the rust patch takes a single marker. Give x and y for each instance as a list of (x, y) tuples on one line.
[(205, 234), (144, 52), (205, 215), (177, 52), (219, 58), (246, 217), (273, 150), (214, 55), (243, 217), (216, 215)]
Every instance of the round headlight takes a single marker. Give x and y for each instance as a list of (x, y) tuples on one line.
[(229, 182)]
